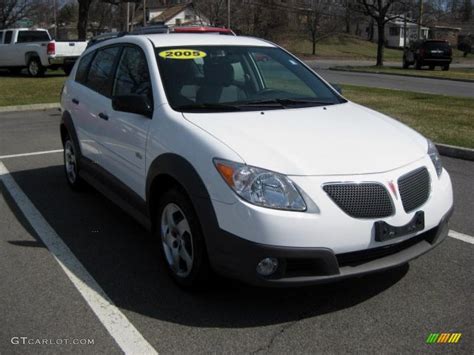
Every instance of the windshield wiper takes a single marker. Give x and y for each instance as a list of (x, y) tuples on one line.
[(210, 107), (285, 102), (304, 102)]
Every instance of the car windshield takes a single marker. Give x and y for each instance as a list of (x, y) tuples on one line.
[(234, 78)]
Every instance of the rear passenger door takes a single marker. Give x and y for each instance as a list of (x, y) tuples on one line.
[(91, 99), (124, 135)]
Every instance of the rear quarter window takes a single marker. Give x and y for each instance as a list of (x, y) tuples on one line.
[(8, 37), (100, 76), (83, 68)]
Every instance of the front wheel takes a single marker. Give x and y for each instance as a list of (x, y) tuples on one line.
[(35, 68), (182, 244)]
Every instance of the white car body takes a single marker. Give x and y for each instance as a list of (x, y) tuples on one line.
[(313, 146)]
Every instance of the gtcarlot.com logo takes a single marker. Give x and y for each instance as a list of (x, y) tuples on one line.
[(50, 341), (443, 338)]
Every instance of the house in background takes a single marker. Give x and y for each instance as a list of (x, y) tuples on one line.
[(176, 14), (446, 33), (395, 33)]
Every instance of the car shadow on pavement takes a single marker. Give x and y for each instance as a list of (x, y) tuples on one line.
[(123, 258)]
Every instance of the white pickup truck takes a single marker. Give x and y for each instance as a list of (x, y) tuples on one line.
[(34, 50)]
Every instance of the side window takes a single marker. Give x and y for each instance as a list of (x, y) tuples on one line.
[(133, 77), (8, 37), (101, 71), (83, 68)]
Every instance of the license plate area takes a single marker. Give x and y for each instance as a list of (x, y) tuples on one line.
[(385, 231)]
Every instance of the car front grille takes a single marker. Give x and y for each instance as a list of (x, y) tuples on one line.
[(414, 188), (361, 200)]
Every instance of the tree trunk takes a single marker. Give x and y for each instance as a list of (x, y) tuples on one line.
[(314, 43), (380, 43), (82, 21)]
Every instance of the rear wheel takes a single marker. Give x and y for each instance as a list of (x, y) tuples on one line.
[(35, 68), (418, 64), (67, 69), (182, 244), (71, 167), (405, 63)]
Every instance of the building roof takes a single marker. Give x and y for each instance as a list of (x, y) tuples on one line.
[(170, 12)]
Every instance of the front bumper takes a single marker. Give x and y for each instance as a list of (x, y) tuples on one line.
[(238, 258)]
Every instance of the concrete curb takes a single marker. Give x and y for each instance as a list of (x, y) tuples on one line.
[(444, 149), (396, 74), (455, 152), (35, 107)]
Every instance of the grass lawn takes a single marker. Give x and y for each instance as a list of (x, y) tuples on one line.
[(453, 73), (444, 119), (24, 90), (349, 47)]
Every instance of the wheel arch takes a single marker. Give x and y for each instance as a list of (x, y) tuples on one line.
[(169, 170), (32, 54), (67, 128)]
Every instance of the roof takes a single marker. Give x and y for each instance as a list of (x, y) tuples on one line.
[(170, 12), (186, 39)]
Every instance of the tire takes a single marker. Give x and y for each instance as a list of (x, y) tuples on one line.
[(417, 64), (34, 67), (67, 69), (15, 71), (71, 168), (432, 67), (446, 67), (182, 245), (405, 64)]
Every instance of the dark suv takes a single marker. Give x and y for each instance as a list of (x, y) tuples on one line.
[(430, 53)]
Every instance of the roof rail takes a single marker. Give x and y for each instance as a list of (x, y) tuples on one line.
[(158, 28), (105, 36)]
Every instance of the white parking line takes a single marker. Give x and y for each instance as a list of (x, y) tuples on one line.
[(464, 237), (33, 153), (119, 327)]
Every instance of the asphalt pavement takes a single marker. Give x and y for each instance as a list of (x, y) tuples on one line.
[(389, 312), (396, 82)]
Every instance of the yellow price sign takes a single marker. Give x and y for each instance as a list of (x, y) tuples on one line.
[(182, 54)]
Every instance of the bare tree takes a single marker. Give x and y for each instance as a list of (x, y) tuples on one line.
[(380, 12), (12, 11), (212, 10), (321, 22), (83, 18)]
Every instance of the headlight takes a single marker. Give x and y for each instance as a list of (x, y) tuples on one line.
[(261, 187), (435, 158)]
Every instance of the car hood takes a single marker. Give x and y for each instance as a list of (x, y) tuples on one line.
[(334, 140)]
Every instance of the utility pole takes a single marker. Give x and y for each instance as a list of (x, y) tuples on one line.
[(55, 20), (405, 29), (144, 13), (420, 19), (228, 14), (128, 18)]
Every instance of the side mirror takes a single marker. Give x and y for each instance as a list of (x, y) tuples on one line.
[(337, 88), (138, 104)]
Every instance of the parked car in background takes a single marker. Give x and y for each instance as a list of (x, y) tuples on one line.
[(429, 53), (34, 50)]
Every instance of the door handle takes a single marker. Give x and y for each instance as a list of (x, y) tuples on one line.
[(103, 116), (75, 101)]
